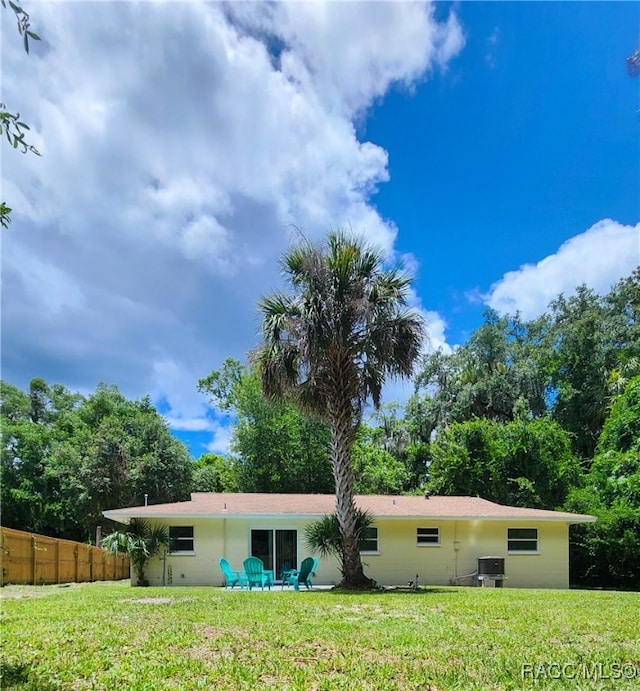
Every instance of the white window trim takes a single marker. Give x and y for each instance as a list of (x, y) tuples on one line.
[(183, 552), (377, 550), (428, 544), (516, 552)]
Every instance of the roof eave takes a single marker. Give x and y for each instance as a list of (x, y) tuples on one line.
[(121, 517)]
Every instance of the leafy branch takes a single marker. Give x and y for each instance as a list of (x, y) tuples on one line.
[(13, 127), (5, 215), (24, 23), (10, 123)]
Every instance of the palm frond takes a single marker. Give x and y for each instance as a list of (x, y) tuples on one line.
[(323, 536), (141, 541)]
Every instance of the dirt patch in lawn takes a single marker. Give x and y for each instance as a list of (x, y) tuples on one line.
[(19, 592), (150, 600)]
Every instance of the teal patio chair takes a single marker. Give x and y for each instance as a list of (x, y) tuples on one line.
[(307, 570), (231, 577), (316, 561), (255, 573)]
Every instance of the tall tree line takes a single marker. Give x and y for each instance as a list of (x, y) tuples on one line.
[(537, 391), (66, 458)]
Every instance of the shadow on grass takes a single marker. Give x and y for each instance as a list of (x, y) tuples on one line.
[(395, 590), (19, 676)]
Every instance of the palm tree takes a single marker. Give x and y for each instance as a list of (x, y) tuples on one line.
[(323, 536), (330, 344), (142, 541)]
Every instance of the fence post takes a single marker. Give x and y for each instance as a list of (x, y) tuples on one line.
[(33, 559), (57, 551), (5, 559), (75, 560)]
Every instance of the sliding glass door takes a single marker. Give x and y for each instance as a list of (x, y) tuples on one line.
[(278, 549)]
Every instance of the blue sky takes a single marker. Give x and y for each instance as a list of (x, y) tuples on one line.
[(533, 133), (490, 147)]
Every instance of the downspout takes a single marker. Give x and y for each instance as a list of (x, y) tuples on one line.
[(456, 547), (224, 537)]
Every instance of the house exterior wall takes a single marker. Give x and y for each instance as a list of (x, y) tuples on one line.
[(229, 538), (398, 559)]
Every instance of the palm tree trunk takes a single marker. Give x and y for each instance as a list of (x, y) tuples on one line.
[(342, 436)]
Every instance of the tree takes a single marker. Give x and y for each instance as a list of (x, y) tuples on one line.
[(142, 541), (25, 449), (329, 345), (39, 489), (275, 447), (213, 473), (520, 463), (39, 394), (498, 369), (324, 537), (591, 341), (65, 458), (128, 453), (14, 404), (621, 431), (10, 123), (569, 363), (579, 373), (607, 552), (376, 470), (623, 307)]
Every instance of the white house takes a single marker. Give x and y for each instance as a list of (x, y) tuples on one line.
[(439, 539)]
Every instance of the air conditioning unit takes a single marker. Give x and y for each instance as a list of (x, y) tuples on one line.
[(491, 571)]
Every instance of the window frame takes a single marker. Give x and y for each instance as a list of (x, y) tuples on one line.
[(428, 543), (534, 542), (371, 539), (174, 542), (275, 558)]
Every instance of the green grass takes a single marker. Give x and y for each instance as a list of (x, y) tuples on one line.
[(111, 636)]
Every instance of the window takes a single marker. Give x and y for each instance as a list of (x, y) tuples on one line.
[(369, 540), (181, 539), (428, 536), (522, 540), (278, 549)]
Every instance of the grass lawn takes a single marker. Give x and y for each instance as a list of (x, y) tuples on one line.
[(111, 636)]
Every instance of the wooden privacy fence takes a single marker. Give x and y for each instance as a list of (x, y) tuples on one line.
[(28, 558)]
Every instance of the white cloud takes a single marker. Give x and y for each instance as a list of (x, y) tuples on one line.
[(196, 424), (434, 323), (180, 141), (599, 257), (353, 51), (436, 326), (400, 390), (221, 442)]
